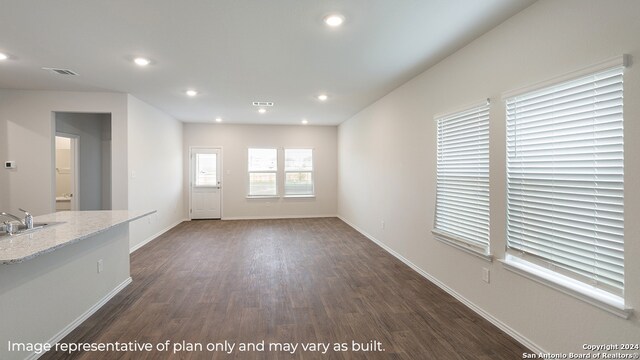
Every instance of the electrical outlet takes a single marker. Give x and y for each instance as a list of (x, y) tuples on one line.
[(100, 266), (382, 224), (485, 275)]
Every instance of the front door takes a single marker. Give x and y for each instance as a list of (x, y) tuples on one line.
[(205, 183)]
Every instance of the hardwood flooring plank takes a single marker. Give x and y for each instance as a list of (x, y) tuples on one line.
[(286, 281)]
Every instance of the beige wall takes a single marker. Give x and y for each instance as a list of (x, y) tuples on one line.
[(63, 178), (236, 139), (155, 170), (387, 165), (26, 135), (144, 139)]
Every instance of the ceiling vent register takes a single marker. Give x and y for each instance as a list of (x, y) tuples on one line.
[(61, 71), (263, 103)]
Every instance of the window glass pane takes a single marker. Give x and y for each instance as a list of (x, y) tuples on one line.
[(206, 170), (298, 160), (298, 183), (261, 184), (263, 159)]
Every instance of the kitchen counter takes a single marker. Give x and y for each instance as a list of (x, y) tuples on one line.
[(53, 279), (74, 226)]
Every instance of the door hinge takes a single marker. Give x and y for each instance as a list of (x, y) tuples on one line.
[(190, 210)]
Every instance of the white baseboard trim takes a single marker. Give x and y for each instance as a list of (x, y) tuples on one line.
[(534, 348), (75, 323), (278, 217), (153, 237)]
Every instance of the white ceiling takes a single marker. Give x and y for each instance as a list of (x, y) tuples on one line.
[(238, 51)]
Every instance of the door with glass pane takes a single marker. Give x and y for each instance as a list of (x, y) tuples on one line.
[(205, 183)]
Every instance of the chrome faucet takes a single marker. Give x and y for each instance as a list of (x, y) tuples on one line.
[(12, 217), (28, 219), (10, 227)]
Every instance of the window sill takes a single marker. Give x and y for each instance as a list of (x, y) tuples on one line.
[(577, 289), (462, 245), (263, 197), (298, 196)]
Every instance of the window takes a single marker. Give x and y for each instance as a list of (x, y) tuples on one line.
[(206, 170), (462, 189), (565, 180), (263, 168), (298, 172)]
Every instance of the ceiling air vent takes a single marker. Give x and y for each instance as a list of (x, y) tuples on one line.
[(263, 103), (61, 71)]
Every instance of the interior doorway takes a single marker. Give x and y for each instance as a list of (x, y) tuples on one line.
[(66, 172), (83, 183)]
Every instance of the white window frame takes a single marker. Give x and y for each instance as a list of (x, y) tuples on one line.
[(542, 270), (313, 173), (446, 216), (275, 172)]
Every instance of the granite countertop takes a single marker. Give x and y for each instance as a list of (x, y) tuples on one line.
[(73, 226)]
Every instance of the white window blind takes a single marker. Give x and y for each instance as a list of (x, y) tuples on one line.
[(565, 178), (462, 194)]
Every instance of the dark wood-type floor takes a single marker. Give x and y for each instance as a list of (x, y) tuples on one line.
[(302, 280)]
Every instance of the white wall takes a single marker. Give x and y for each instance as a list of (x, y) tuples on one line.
[(235, 141), (142, 138), (94, 177), (387, 164), (26, 136), (155, 170)]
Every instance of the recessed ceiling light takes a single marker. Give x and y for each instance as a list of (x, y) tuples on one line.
[(304, 122), (3, 56), (262, 110), (334, 20), (218, 119), (322, 97), (191, 93), (141, 61)]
